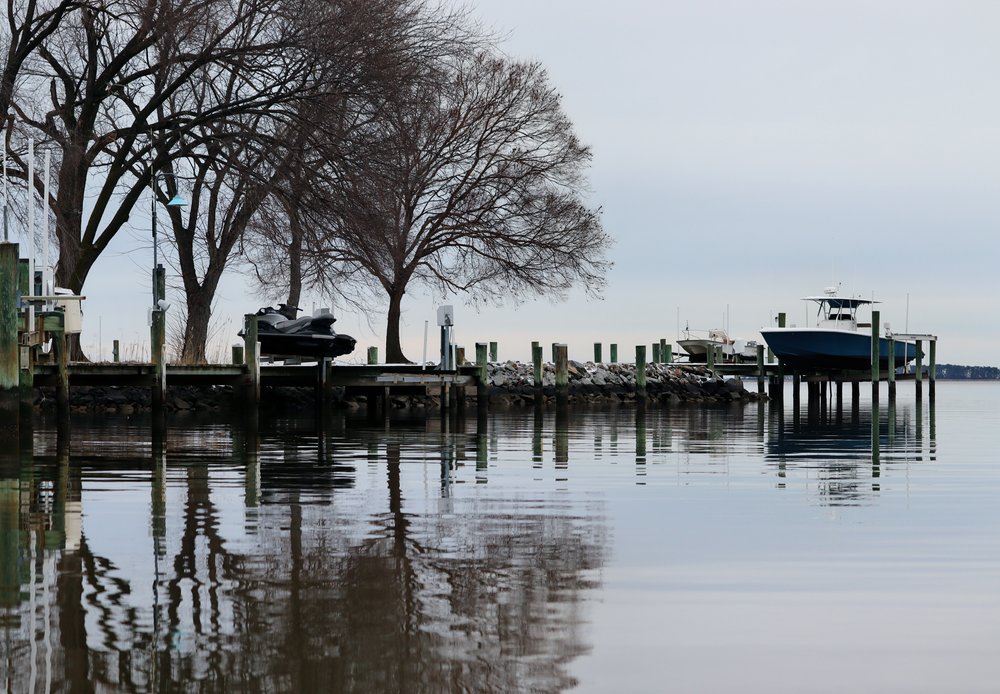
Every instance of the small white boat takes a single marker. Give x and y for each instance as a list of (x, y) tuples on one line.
[(732, 351)]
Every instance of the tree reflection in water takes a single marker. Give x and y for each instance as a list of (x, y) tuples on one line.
[(322, 587)]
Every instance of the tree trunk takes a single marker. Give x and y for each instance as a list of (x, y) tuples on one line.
[(295, 265), (393, 350), (199, 312)]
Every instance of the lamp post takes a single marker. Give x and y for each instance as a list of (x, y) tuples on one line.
[(176, 201)]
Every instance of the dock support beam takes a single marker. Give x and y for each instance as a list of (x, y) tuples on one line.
[(561, 353), (932, 368), (613, 352), (482, 375), (597, 353), (536, 362), (158, 339)]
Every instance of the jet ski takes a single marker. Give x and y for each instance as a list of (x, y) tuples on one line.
[(281, 334)]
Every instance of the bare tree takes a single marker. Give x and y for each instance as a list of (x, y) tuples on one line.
[(470, 182)]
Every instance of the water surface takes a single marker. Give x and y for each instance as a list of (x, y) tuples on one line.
[(751, 548)]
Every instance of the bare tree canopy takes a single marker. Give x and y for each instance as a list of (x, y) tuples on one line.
[(470, 183)]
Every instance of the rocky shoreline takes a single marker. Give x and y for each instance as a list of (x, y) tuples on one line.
[(511, 385)]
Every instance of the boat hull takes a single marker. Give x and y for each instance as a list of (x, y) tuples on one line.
[(276, 344), (804, 349)]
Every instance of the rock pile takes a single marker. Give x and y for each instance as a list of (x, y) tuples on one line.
[(513, 383)]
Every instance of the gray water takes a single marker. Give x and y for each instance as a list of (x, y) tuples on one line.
[(685, 549)]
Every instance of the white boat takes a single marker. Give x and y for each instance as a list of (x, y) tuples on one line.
[(838, 341), (697, 343)]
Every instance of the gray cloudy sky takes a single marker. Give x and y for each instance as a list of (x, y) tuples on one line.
[(747, 154)]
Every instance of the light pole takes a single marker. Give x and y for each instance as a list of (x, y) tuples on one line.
[(176, 201)]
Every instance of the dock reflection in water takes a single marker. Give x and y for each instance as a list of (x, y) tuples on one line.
[(418, 553)]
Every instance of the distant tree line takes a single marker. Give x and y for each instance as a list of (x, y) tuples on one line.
[(955, 371), (352, 147)]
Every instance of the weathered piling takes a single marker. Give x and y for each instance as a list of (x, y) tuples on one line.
[(932, 368), (613, 352), (919, 375), (494, 351), (116, 352), (251, 350), (482, 375), (891, 375), (760, 369), (597, 353), (640, 371), (9, 352), (710, 357), (666, 352), (562, 368), (536, 362), (237, 354), (373, 355), (655, 352), (876, 354), (158, 338)]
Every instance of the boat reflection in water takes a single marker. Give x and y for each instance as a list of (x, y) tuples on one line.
[(415, 553)]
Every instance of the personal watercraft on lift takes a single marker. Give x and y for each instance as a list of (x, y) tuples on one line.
[(281, 334)]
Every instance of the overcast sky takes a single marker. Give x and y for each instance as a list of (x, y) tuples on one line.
[(747, 154)]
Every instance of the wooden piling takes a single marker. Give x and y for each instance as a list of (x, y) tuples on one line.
[(9, 352), (891, 374), (932, 368), (760, 369), (482, 374), (655, 352), (373, 355), (494, 352), (613, 352), (640, 371), (251, 350), (237, 354), (459, 357), (562, 370), (116, 351), (597, 353), (668, 355), (664, 351), (158, 339), (919, 375), (60, 346), (562, 365), (710, 357), (876, 353), (536, 361)]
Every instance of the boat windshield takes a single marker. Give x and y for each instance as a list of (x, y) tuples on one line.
[(837, 309)]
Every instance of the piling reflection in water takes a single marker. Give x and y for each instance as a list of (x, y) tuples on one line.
[(402, 552), (314, 592)]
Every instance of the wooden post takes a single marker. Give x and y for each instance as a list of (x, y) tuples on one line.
[(493, 352), (459, 357), (796, 388), (237, 354), (61, 347), (562, 370), (664, 351), (597, 353), (655, 353), (760, 369), (640, 371), (710, 357), (876, 354), (613, 353), (115, 351), (157, 350), (891, 373), (251, 350), (920, 369), (932, 368), (9, 349), (482, 374), (668, 356), (373, 355), (536, 360)]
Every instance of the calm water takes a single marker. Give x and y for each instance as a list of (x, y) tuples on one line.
[(751, 549)]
